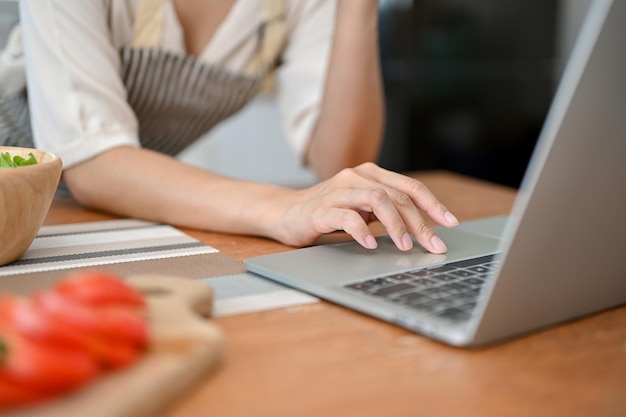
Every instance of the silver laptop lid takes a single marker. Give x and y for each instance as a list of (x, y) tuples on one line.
[(565, 260)]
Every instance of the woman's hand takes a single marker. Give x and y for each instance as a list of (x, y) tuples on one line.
[(354, 197)]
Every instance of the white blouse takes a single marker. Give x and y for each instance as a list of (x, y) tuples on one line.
[(78, 101)]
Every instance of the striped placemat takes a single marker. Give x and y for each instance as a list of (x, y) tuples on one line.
[(128, 247), (125, 247)]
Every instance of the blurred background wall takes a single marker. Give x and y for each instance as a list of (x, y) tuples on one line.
[(468, 84)]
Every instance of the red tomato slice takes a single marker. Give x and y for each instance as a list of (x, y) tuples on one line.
[(35, 324), (64, 310), (114, 323), (13, 395), (115, 334), (124, 325), (100, 289), (44, 368), (28, 320)]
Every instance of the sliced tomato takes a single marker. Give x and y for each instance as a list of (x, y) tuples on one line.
[(43, 368), (27, 319), (59, 339), (13, 394), (64, 310), (114, 323), (100, 289), (115, 334), (35, 324)]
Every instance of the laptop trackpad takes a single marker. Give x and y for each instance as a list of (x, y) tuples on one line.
[(338, 263)]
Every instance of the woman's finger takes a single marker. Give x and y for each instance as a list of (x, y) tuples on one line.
[(378, 201), (416, 224), (406, 195), (419, 193), (351, 222)]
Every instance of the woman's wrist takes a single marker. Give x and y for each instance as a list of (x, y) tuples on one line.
[(287, 217), (265, 215)]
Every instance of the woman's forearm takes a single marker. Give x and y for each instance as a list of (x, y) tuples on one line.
[(144, 184), (349, 129)]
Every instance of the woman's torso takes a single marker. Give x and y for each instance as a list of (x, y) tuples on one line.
[(182, 83), (87, 109)]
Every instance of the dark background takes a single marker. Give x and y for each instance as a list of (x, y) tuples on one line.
[(468, 84)]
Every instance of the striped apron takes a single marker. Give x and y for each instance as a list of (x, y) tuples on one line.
[(176, 98)]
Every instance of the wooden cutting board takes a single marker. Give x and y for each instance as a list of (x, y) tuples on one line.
[(185, 346)]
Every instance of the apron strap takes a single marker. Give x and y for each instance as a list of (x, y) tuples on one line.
[(148, 23), (272, 39)]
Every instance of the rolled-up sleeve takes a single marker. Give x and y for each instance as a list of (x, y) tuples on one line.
[(302, 75), (77, 100)]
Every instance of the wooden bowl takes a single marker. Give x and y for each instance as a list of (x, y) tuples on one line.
[(26, 194)]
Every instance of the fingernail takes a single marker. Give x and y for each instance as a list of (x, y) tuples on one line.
[(406, 241), (450, 218), (370, 242), (438, 244)]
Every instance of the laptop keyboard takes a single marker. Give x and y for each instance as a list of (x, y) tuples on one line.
[(449, 291)]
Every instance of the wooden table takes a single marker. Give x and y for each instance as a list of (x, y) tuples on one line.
[(324, 360)]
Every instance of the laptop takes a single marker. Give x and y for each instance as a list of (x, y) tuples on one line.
[(557, 257)]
